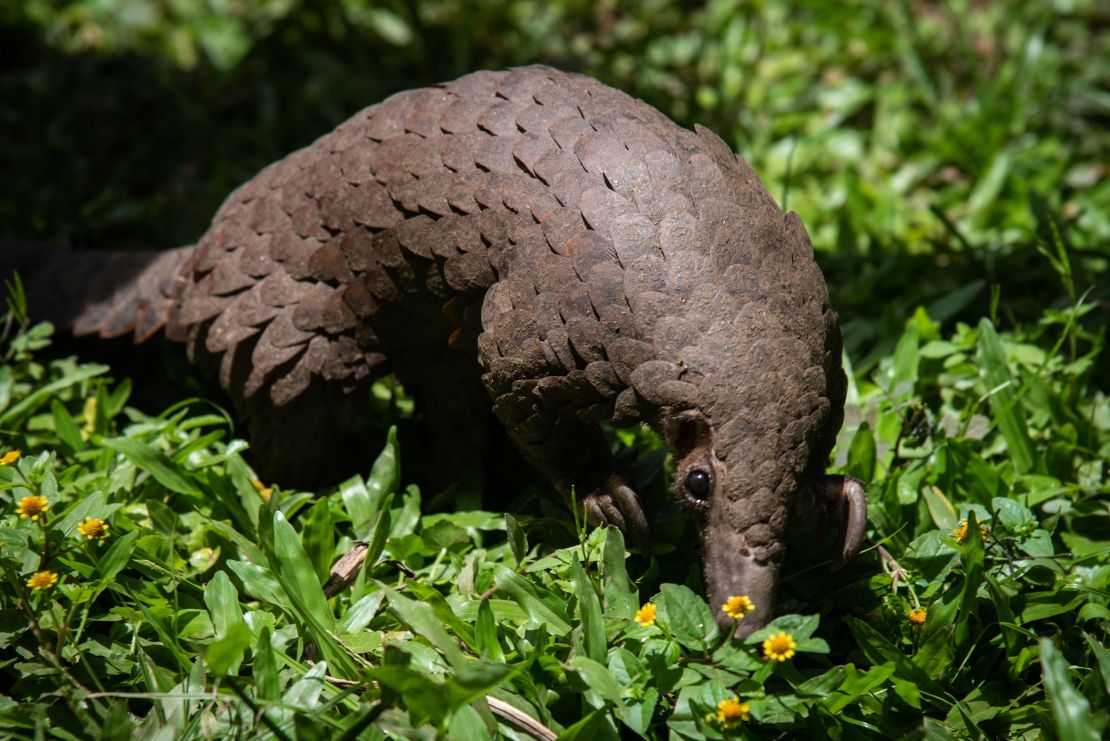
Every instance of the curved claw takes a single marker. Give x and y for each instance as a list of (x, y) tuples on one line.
[(846, 502), (619, 506)]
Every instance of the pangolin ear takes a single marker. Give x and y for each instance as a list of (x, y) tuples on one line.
[(686, 430)]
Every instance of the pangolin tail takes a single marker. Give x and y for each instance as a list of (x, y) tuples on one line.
[(105, 293)]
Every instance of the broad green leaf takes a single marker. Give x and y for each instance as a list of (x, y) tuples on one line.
[(861, 454), (940, 509), (385, 475), (153, 461), (261, 583), (620, 594), (879, 650), (973, 554), (66, 429), (598, 678), (357, 502), (266, 680), (685, 615), (1004, 400), (319, 538), (1102, 657), (466, 722), (473, 680), (222, 600), (518, 540), (304, 694), (590, 727), (379, 534), (857, 684), (589, 612), (422, 620), (903, 373), (117, 556), (362, 612), (485, 633), (224, 654), (1070, 710), (296, 570), (424, 699), (526, 594)]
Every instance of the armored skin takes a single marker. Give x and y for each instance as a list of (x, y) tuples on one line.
[(590, 259)]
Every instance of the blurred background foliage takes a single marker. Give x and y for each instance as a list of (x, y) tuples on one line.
[(933, 149)]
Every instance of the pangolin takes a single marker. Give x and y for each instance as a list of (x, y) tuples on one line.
[(590, 259)]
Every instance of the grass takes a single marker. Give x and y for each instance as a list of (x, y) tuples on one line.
[(949, 161)]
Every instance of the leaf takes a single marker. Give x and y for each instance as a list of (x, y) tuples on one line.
[(266, 681), (295, 569), (222, 600), (1070, 709), (423, 698), (15, 416), (421, 619), (153, 461), (485, 633), (518, 540), (861, 454), (589, 612), (857, 684), (473, 680), (685, 615), (973, 554), (319, 538), (526, 594), (879, 650), (362, 612), (305, 692), (822, 684), (588, 728), (65, 428), (385, 475), (1102, 656), (1008, 413), (223, 655), (356, 500), (940, 509), (598, 678), (620, 594), (117, 556), (903, 372), (379, 533), (261, 583)]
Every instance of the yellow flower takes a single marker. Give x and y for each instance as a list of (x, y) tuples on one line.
[(645, 616), (780, 647), (961, 531), (93, 528), (732, 711), (10, 457), (917, 616), (263, 490), (42, 580), (738, 606), (32, 507)]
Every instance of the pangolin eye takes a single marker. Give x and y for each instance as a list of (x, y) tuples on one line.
[(697, 484)]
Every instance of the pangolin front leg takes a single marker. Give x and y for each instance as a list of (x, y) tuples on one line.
[(574, 455)]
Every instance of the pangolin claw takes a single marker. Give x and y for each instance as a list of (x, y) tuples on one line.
[(846, 502), (618, 505)]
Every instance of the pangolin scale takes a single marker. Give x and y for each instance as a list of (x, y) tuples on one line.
[(592, 260)]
